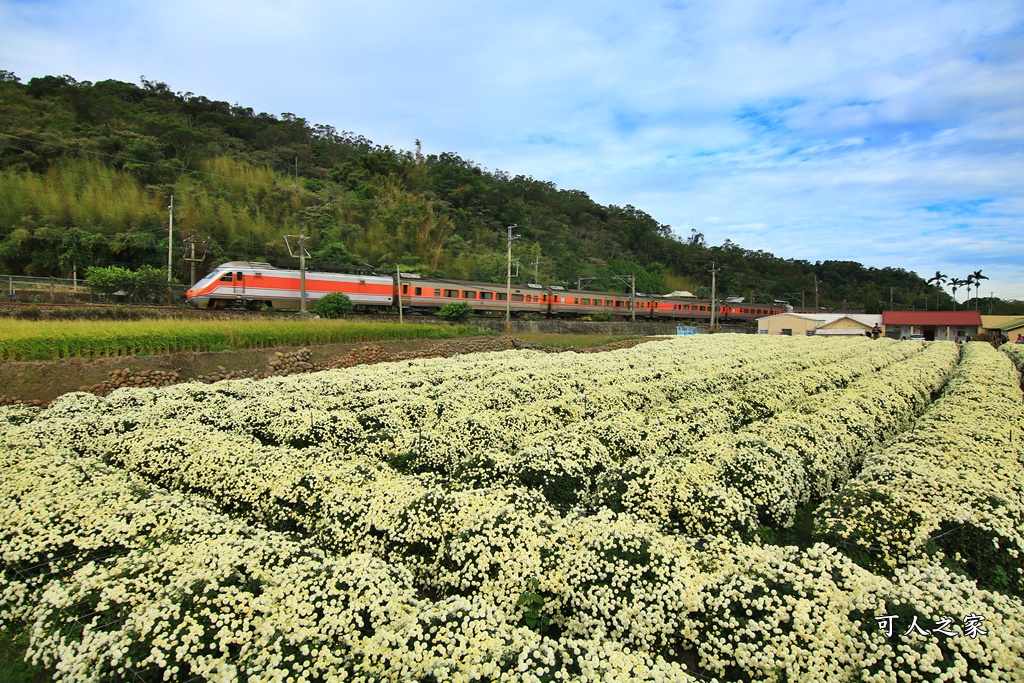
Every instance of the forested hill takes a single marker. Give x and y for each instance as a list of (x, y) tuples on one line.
[(88, 170)]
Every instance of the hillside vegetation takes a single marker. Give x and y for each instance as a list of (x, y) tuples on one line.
[(87, 171)]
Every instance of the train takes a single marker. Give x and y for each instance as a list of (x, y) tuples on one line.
[(254, 285)]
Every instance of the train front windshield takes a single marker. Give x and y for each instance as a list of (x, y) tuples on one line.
[(208, 279)]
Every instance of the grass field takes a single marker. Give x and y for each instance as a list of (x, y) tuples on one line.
[(51, 340)]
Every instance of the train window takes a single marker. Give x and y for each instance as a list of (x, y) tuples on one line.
[(405, 289), (451, 293), (619, 304), (486, 295), (238, 276), (437, 292), (608, 302), (417, 291), (468, 295), (585, 302), (225, 277), (517, 297), (500, 296)]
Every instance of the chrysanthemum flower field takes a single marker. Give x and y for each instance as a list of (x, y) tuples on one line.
[(730, 507)]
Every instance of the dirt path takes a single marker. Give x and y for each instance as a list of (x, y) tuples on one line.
[(42, 381), (39, 382)]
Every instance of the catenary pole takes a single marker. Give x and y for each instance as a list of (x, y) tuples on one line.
[(508, 284), (713, 307)]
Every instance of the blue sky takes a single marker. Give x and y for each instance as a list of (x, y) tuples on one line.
[(886, 132)]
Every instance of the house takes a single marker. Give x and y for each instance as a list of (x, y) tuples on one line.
[(934, 325), (827, 324), (1010, 325)]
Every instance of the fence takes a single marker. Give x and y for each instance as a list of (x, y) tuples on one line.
[(55, 290)]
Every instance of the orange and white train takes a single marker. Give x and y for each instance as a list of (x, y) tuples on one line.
[(255, 285)]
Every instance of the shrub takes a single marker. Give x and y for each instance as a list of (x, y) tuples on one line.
[(110, 280), (456, 311), (334, 305), (145, 285)]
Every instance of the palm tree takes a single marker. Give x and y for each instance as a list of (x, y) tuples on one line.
[(954, 284), (978, 277), (938, 281), (969, 281)]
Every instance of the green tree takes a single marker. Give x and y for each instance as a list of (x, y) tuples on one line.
[(456, 312), (147, 285), (334, 305)]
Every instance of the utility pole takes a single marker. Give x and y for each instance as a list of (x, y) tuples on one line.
[(170, 246), (170, 236), (508, 283), (302, 254), (302, 273), (816, 283), (632, 292), (632, 296), (398, 279), (191, 258), (536, 268), (713, 307)]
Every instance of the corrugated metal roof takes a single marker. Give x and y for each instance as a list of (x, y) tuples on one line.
[(965, 318), (1008, 324)]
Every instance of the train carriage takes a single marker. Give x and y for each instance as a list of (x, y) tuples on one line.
[(428, 295), (578, 302), (254, 285)]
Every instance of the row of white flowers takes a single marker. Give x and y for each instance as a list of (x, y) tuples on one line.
[(953, 483), (1015, 352), (120, 579), (423, 573), (761, 473)]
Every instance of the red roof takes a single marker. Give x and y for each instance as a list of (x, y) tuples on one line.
[(951, 318)]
